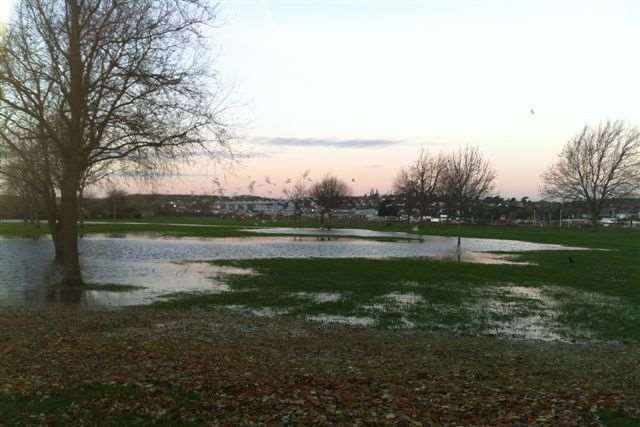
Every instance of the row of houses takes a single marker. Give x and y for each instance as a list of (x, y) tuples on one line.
[(369, 207), (277, 207)]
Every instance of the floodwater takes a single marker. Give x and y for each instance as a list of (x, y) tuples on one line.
[(336, 232), (164, 265)]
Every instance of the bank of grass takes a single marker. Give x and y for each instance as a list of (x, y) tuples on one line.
[(111, 287)]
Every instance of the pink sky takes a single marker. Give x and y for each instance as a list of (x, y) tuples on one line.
[(408, 74), (309, 78)]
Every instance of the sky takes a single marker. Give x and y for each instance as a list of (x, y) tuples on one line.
[(357, 88)]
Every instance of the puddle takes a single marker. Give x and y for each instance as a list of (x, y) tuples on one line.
[(344, 320), (260, 312), (404, 299), (319, 297), (154, 279), (406, 324), (529, 313), (481, 258)]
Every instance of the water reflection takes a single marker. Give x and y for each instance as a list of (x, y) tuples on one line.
[(336, 232), (58, 295), (163, 265)]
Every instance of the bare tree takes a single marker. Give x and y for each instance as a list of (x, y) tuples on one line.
[(329, 194), (599, 164), (107, 81), (297, 192), (405, 187), (467, 177), (418, 183)]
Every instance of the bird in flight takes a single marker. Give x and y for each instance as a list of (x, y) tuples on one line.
[(532, 112)]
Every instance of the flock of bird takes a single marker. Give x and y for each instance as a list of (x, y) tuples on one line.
[(254, 185)]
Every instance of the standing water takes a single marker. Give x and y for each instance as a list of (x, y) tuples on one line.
[(163, 265)]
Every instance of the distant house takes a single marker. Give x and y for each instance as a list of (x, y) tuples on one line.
[(359, 213), (250, 207)]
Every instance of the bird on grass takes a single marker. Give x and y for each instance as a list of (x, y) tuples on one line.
[(571, 260)]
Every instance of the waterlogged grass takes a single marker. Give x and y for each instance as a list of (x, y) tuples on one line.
[(574, 295), (111, 287), (13, 229), (580, 294)]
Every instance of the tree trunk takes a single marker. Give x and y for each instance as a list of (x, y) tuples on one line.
[(71, 260), (80, 202), (72, 160), (595, 214), (459, 227)]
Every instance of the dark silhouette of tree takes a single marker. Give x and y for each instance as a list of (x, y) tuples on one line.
[(329, 194), (418, 183), (106, 81), (297, 192), (467, 177), (599, 164)]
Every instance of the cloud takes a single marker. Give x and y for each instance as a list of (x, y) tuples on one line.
[(329, 143), (233, 153), (159, 175)]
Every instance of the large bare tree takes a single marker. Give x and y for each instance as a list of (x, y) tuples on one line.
[(597, 165), (329, 194), (418, 183), (467, 177), (106, 81)]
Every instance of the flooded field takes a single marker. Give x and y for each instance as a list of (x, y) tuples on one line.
[(167, 265), (328, 279)]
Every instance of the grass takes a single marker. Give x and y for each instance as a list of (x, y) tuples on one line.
[(111, 287), (86, 402), (614, 419)]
